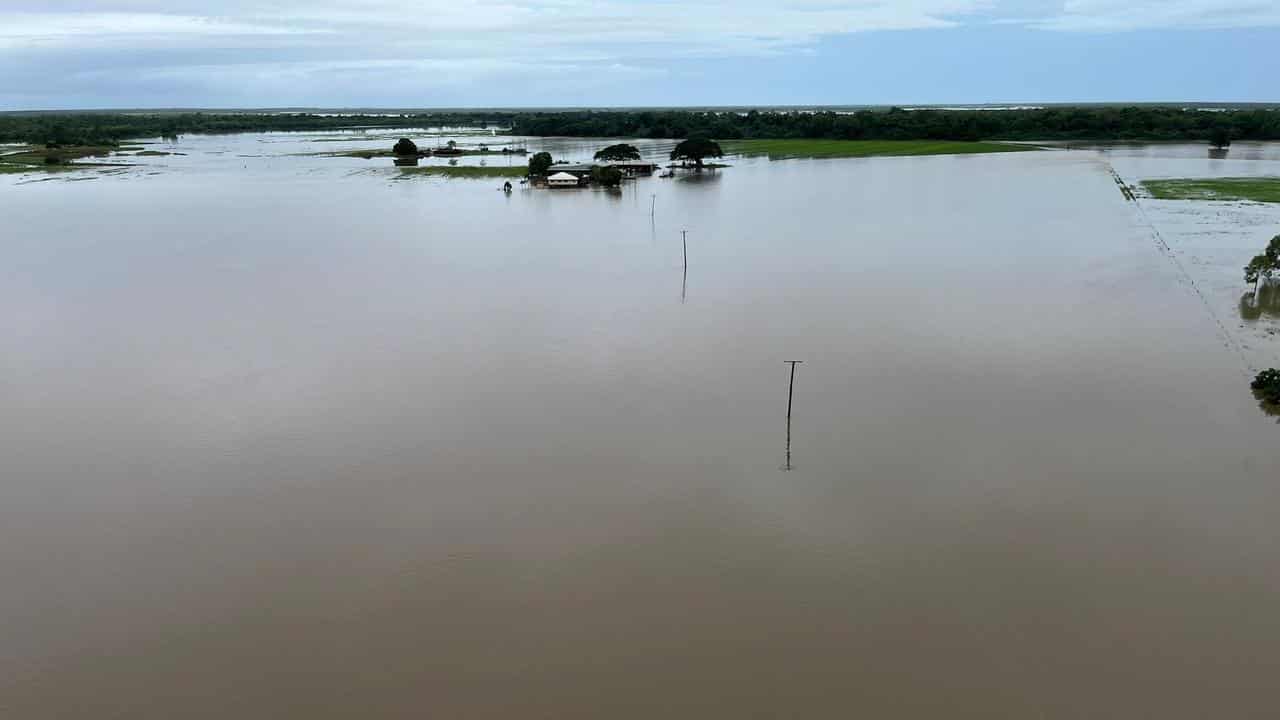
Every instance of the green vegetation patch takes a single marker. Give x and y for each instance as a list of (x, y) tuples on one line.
[(41, 158), (467, 171), (1258, 189), (798, 148)]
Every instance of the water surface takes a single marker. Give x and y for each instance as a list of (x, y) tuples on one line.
[(287, 436)]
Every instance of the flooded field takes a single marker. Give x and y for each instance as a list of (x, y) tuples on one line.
[(293, 436)]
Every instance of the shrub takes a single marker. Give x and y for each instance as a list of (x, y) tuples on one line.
[(539, 163), (405, 146), (606, 176)]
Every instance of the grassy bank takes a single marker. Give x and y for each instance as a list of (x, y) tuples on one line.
[(467, 171), (798, 148), (1266, 189)]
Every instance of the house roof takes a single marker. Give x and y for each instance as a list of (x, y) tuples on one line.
[(563, 176)]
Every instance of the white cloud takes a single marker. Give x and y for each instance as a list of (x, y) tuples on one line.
[(278, 49), (55, 28), (711, 25), (1125, 15)]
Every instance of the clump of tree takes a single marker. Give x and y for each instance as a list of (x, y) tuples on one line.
[(1220, 137), (540, 163), (1266, 386), (1051, 123), (619, 152), (606, 176), (697, 148), (405, 146), (1263, 267)]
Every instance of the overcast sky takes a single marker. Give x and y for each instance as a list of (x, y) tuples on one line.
[(425, 53)]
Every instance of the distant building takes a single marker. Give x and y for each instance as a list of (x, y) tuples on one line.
[(564, 179), (582, 172), (630, 168)]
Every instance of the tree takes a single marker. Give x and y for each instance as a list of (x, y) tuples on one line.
[(695, 148), (621, 151), (1263, 267), (1220, 137), (405, 146), (540, 163), (1273, 250), (1266, 385), (1253, 271), (606, 176)]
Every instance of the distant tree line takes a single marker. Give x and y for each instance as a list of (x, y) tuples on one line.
[(1054, 123), (1059, 123), (84, 128)]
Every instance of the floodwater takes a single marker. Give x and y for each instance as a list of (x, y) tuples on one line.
[(286, 436)]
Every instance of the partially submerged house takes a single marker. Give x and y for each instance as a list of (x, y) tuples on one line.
[(564, 179), (633, 168)]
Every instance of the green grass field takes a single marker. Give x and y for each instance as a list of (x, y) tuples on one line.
[(1264, 189), (467, 171), (786, 149), (33, 158)]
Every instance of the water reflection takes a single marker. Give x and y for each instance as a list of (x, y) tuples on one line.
[(706, 176), (411, 161), (1268, 408), (1264, 302)]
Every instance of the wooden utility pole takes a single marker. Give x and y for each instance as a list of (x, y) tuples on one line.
[(790, 393), (684, 279)]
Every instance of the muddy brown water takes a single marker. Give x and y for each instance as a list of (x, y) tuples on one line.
[(283, 437)]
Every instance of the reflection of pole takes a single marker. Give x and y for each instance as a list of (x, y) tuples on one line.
[(653, 200), (790, 392)]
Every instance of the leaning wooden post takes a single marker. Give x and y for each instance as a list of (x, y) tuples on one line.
[(790, 393)]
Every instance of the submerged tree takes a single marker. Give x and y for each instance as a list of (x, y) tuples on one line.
[(1220, 137), (1259, 268), (540, 163), (695, 148), (405, 146), (621, 151), (1263, 267), (1263, 300), (1266, 385), (606, 176)]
